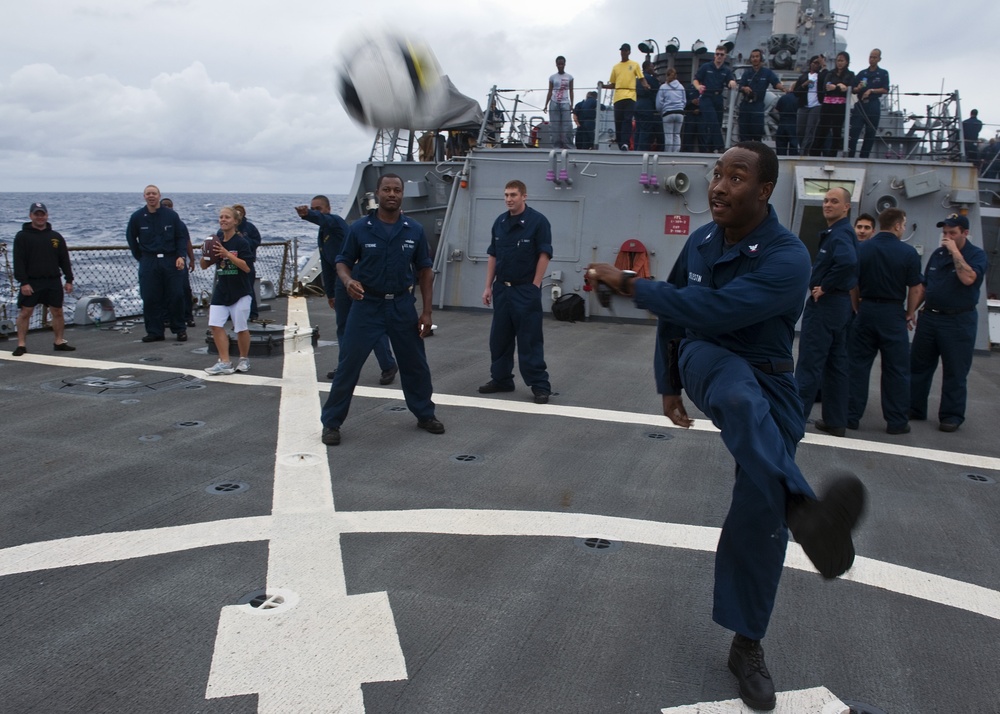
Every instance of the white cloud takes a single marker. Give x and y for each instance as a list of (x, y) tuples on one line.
[(225, 95), (183, 120)]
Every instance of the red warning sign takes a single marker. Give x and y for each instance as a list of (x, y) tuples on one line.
[(677, 226)]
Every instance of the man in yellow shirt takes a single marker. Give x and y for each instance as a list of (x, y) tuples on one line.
[(623, 78)]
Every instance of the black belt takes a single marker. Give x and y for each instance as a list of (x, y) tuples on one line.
[(892, 301), (673, 111), (388, 296), (940, 311), (779, 367), (512, 283)]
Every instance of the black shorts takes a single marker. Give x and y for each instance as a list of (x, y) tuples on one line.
[(46, 291)]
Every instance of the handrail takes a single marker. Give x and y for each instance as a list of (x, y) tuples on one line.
[(112, 271)]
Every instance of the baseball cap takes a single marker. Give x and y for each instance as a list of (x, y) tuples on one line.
[(625, 46), (955, 220), (35, 207)]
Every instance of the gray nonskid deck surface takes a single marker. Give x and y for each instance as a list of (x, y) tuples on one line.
[(474, 536)]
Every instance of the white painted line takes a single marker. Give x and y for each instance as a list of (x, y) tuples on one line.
[(320, 651), (866, 571), (124, 545), (96, 364), (818, 700), (531, 523), (701, 424), (326, 529), (953, 458)]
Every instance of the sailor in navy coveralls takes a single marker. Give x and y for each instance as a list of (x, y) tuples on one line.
[(827, 315), (332, 234), (158, 240), (753, 86), (735, 294), (870, 84), (385, 249), (889, 290), (711, 80), (947, 324), (519, 254)]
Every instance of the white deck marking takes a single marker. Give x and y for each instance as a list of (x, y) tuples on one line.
[(123, 545), (325, 529), (99, 364), (953, 458), (818, 700), (319, 652)]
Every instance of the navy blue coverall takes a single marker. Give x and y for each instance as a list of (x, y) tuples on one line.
[(786, 140), (823, 339), (157, 239), (752, 106), (946, 329), (887, 268), (332, 234), (738, 306), (715, 80), (516, 243), (385, 258), (867, 113)]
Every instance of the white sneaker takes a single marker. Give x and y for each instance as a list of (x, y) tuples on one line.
[(243, 365), (220, 367)]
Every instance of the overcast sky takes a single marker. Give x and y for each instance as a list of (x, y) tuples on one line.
[(218, 95)]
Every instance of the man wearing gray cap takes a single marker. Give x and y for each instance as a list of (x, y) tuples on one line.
[(947, 325), (39, 255)]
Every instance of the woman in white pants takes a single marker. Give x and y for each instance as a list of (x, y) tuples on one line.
[(670, 100)]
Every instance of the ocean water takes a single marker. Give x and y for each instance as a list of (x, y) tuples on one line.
[(99, 219)]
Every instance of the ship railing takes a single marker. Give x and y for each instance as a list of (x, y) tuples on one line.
[(112, 272), (514, 119), (834, 21), (504, 127), (989, 191)]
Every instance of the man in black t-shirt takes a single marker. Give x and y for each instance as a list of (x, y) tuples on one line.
[(39, 254)]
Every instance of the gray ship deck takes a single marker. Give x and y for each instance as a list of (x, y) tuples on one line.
[(452, 573)]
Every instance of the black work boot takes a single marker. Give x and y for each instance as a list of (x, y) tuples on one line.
[(746, 661), (823, 528)]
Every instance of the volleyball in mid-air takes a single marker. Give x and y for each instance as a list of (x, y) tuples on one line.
[(391, 81)]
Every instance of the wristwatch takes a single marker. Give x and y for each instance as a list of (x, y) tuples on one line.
[(623, 285)]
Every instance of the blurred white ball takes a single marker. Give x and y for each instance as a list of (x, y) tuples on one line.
[(391, 81)]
